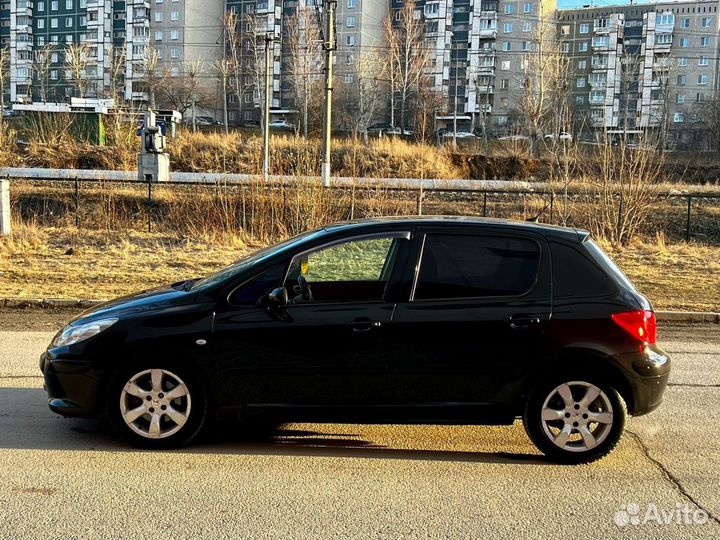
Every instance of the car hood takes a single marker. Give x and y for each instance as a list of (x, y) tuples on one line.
[(145, 301)]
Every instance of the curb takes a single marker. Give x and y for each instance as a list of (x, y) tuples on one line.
[(60, 303)]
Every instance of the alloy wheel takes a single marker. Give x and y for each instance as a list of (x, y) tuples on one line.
[(155, 403), (577, 416)]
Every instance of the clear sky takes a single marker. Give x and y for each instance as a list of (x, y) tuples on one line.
[(569, 4)]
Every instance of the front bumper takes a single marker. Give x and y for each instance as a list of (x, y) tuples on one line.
[(72, 385)]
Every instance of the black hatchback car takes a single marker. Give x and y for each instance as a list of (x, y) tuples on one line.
[(406, 320)]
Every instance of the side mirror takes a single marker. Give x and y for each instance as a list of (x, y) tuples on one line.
[(277, 298)]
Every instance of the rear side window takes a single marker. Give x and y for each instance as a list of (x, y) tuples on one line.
[(465, 266), (575, 274)]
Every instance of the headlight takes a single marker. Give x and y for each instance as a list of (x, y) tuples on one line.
[(75, 334)]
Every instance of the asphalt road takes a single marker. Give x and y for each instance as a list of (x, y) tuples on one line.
[(74, 478)]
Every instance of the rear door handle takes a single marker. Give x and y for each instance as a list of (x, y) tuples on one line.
[(522, 321), (364, 325)]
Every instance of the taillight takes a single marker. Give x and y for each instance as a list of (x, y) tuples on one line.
[(641, 325)]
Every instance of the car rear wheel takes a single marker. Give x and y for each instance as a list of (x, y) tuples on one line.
[(575, 419), (157, 406)]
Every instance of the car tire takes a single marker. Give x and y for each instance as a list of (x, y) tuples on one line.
[(156, 404), (575, 419)]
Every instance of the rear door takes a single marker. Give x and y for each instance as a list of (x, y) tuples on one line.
[(474, 320)]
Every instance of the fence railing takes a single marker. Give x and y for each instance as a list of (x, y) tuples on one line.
[(680, 216)]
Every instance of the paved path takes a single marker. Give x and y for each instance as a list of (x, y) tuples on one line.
[(73, 478)]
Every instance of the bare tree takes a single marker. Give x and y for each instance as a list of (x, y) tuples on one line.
[(408, 56), (4, 77), (543, 72), (184, 92), (223, 70), (41, 63), (234, 54), (153, 74), (430, 103), (116, 90), (77, 59), (710, 123), (304, 44)]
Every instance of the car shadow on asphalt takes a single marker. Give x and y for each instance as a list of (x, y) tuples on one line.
[(27, 424)]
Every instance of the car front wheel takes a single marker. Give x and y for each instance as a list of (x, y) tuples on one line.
[(157, 406), (575, 420)]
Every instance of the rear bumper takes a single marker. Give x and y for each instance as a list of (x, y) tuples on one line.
[(651, 370), (72, 385)]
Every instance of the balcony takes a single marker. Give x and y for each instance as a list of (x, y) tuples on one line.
[(663, 42), (486, 68), (485, 89), (488, 24)]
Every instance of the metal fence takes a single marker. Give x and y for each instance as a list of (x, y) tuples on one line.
[(85, 202)]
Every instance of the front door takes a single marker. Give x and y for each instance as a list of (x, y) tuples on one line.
[(328, 348)]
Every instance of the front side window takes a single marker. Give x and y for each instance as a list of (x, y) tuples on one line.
[(356, 270), (460, 266)]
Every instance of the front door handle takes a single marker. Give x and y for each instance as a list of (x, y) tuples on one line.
[(364, 325), (523, 321)]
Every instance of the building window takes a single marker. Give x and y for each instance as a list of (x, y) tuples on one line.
[(83, 4), (350, 40), (68, 38), (40, 41), (430, 8), (663, 39), (579, 100), (351, 22), (54, 58), (505, 65), (158, 16), (527, 7), (506, 46), (601, 41), (582, 64), (682, 61), (83, 20), (53, 23), (54, 74), (174, 15), (565, 30), (583, 46), (702, 79), (527, 27), (54, 5), (68, 22), (504, 84), (41, 23), (349, 78), (507, 28), (706, 22), (585, 28), (703, 61), (525, 45), (597, 96), (685, 23), (678, 117), (158, 35), (666, 19), (565, 47), (174, 53), (681, 99), (580, 83), (684, 42), (53, 39), (174, 71), (600, 24), (352, 4), (40, 6), (68, 4), (705, 41), (174, 34), (509, 9), (682, 80)]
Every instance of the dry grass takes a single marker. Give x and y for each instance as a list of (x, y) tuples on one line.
[(36, 262)]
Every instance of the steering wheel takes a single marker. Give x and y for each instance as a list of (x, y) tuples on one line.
[(304, 287)]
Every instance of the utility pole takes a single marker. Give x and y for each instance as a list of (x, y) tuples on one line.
[(329, 46), (269, 38)]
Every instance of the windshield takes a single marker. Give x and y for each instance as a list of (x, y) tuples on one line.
[(248, 261)]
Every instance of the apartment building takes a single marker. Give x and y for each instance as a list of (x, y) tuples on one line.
[(479, 56), (640, 68)]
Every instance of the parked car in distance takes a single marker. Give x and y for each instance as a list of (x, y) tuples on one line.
[(460, 134), (514, 138), (437, 320), (379, 127), (562, 137), (202, 121), (400, 131), (281, 124)]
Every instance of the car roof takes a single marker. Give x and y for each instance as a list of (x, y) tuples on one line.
[(369, 224)]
